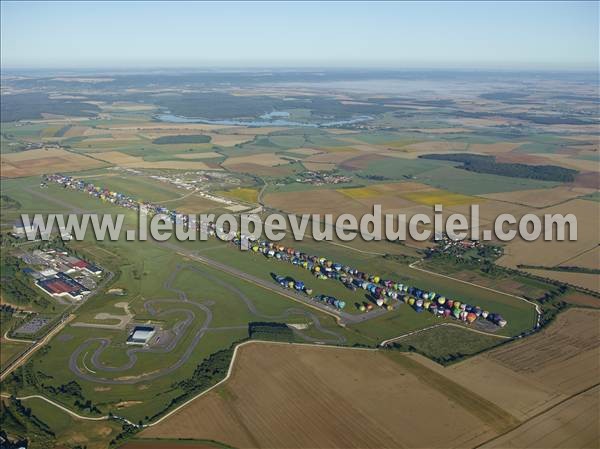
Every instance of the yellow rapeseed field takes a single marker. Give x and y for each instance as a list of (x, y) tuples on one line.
[(436, 196), (360, 192), (242, 193)]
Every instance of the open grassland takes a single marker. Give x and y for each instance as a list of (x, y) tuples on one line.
[(37, 162), (69, 431), (9, 350), (447, 343), (358, 410), (141, 187), (194, 204)]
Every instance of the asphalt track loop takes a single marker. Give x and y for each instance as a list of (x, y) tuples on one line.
[(179, 330)]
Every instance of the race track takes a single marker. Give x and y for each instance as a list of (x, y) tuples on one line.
[(179, 330)]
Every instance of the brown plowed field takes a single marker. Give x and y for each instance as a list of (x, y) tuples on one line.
[(528, 376), (290, 396), (37, 162), (572, 424)]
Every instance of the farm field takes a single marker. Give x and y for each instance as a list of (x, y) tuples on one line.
[(540, 198), (524, 375), (166, 443), (9, 350), (538, 372), (584, 280), (552, 253), (124, 160), (299, 376), (589, 259), (572, 424), (36, 162)]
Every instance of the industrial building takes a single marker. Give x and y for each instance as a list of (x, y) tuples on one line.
[(141, 335), (61, 285)]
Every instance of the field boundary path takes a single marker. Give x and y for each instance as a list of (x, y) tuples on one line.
[(418, 331)]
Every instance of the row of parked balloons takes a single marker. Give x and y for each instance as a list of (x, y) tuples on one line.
[(381, 290)]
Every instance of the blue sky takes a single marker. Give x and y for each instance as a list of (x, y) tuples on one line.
[(376, 34)]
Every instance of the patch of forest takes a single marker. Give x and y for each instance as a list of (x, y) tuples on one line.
[(488, 164)]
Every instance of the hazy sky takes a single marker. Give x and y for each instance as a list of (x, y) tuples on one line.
[(385, 34)]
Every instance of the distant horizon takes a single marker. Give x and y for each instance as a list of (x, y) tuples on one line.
[(156, 69), (377, 35)]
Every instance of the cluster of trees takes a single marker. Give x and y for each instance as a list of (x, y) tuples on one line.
[(127, 431), (32, 105), (73, 389), (487, 164), (373, 177), (6, 202), (192, 138), (216, 105), (18, 421), (270, 331), (445, 359), (15, 284), (570, 269)]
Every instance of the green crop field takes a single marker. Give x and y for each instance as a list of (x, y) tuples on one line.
[(446, 344), (398, 168), (470, 183)]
